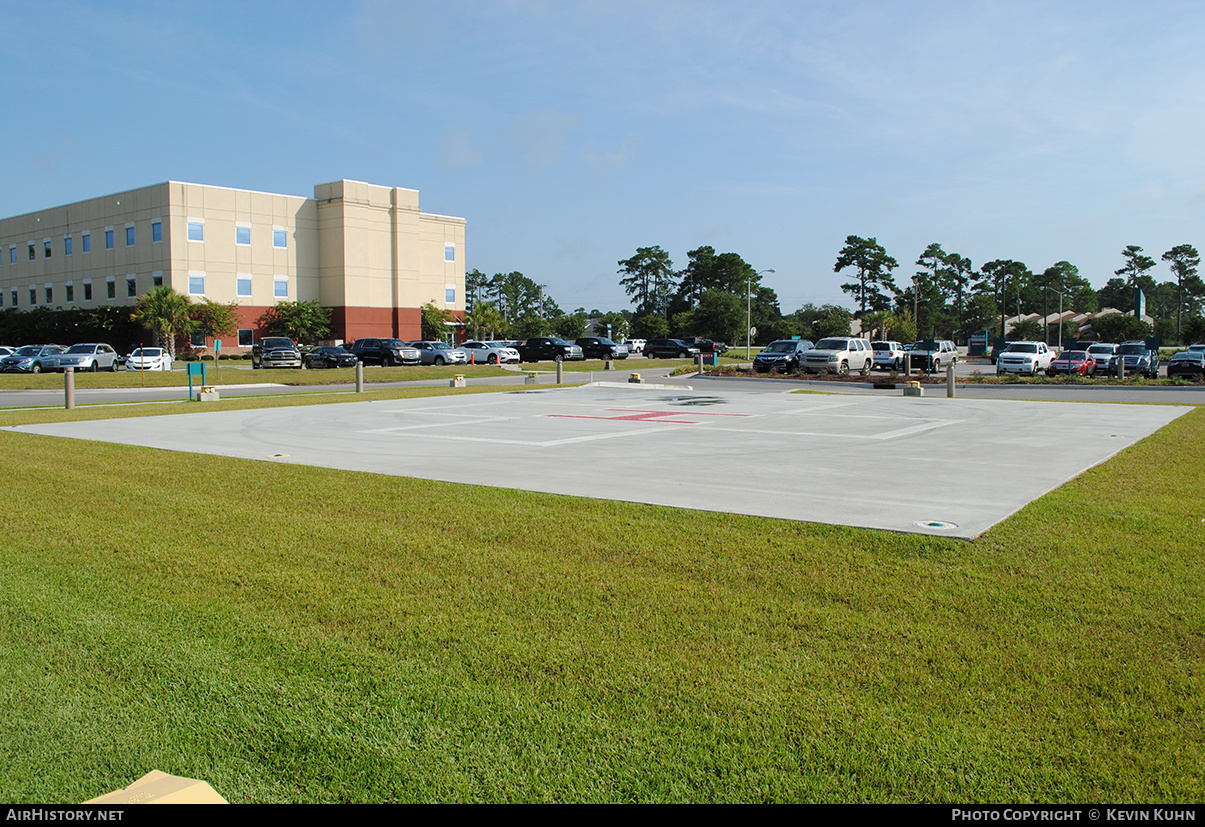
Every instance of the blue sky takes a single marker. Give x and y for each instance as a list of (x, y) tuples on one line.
[(571, 133)]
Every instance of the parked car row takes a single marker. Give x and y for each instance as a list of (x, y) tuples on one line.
[(1098, 358), (89, 356)]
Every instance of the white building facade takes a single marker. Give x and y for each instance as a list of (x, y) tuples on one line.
[(366, 252)]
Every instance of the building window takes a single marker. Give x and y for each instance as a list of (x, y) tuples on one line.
[(33, 296), (87, 239), (449, 295), (280, 238), (129, 235), (242, 285), (66, 245), (108, 238), (111, 288), (131, 286), (87, 290), (197, 338), (14, 297), (196, 284), (46, 248), (49, 294), (157, 278), (1, 298), (280, 288), (70, 288), (449, 252), (246, 337), (196, 230), (242, 235), (32, 256)]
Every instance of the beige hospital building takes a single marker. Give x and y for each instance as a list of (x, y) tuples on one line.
[(366, 252)]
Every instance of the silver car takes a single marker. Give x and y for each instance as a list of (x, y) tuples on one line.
[(490, 353), (91, 356), (33, 359), (440, 353)]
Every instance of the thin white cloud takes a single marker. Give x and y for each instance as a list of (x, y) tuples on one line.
[(609, 160), (540, 136), (455, 151), (574, 250)]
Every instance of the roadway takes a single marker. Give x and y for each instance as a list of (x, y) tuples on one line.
[(1175, 395)]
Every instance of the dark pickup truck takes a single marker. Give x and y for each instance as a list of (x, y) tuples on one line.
[(387, 352), (275, 352)]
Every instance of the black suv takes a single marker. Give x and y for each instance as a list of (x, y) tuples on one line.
[(596, 347), (669, 349), (548, 347), (1140, 357)]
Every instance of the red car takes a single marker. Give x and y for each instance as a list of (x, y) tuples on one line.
[(1078, 362)]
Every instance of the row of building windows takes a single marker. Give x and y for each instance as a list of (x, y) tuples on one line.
[(69, 290), (196, 287), (242, 285), (242, 234), (85, 243), (196, 232)]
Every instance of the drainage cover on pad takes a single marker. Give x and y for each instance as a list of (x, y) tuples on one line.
[(934, 524)]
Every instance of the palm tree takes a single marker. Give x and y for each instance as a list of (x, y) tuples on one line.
[(165, 313)]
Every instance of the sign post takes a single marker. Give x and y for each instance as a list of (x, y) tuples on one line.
[(194, 369)]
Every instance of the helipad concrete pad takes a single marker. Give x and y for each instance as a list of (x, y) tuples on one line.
[(930, 465)]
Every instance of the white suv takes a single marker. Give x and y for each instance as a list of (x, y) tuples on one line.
[(839, 355), (1024, 357), (889, 355)]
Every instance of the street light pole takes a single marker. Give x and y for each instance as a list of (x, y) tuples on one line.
[(749, 311), (1046, 287)]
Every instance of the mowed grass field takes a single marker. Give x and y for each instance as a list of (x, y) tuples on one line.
[(301, 634)]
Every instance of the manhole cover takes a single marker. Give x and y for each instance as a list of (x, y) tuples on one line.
[(937, 524)]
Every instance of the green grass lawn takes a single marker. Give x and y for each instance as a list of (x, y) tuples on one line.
[(301, 634)]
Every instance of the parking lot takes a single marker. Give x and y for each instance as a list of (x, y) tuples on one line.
[(932, 465)]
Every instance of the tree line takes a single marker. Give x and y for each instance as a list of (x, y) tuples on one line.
[(513, 306), (712, 296), (948, 298)]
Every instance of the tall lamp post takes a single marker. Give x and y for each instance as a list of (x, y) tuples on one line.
[(749, 311), (1044, 333)]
